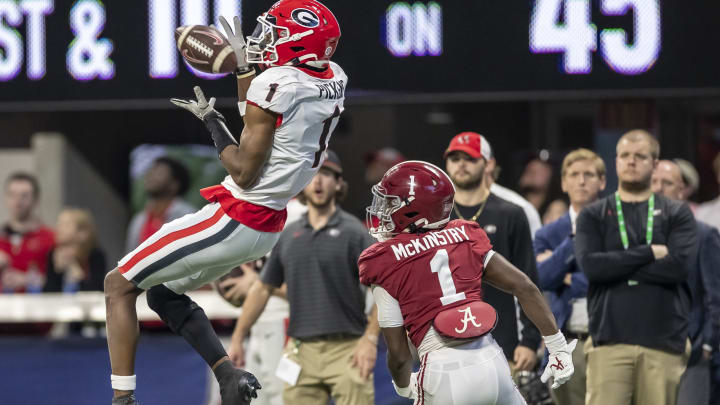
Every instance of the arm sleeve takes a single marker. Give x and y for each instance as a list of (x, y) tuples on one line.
[(551, 271), (709, 265), (273, 273), (682, 251), (524, 258), (273, 91), (389, 313), (601, 266)]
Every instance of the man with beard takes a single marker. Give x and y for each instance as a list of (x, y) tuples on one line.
[(507, 227), (333, 344), (165, 183), (636, 249)]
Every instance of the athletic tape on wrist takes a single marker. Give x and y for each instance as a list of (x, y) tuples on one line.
[(123, 382), (242, 75), (242, 106), (403, 392), (555, 343)]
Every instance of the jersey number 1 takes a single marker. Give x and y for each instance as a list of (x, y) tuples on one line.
[(323, 136), (440, 264)]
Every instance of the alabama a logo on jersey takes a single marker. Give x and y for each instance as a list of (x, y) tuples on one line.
[(467, 318)]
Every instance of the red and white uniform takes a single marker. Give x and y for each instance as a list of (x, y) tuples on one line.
[(240, 225), (416, 276)]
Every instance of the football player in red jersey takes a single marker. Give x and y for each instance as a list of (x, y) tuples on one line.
[(426, 274)]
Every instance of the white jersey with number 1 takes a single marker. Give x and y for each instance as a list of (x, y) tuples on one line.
[(308, 107)]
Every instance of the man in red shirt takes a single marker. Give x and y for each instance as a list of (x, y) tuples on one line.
[(426, 276), (24, 240)]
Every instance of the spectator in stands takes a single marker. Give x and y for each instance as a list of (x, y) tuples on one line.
[(492, 173), (583, 178), (691, 181), (507, 227), (636, 249), (24, 240), (76, 263), (380, 161), (709, 212), (331, 339), (165, 183), (669, 179), (539, 185), (377, 162)]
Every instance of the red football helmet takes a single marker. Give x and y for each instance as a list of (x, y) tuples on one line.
[(412, 195), (294, 32)]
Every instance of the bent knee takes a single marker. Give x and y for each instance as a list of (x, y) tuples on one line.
[(117, 286)]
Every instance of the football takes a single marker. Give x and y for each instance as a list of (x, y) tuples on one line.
[(205, 49)]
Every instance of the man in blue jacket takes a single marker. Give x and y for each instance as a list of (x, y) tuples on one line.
[(583, 178), (704, 282)]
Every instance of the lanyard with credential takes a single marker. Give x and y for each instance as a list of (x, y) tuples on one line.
[(623, 230), (621, 220)]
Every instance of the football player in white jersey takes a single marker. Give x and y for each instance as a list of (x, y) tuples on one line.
[(290, 112)]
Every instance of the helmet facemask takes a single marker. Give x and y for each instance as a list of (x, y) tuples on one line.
[(382, 208), (262, 44)]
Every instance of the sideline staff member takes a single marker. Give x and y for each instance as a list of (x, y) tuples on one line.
[(636, 249)]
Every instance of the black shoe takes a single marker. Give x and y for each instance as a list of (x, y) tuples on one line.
[(125, 400), (238, 387)]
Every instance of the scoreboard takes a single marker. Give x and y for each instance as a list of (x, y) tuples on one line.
[(61, 51)]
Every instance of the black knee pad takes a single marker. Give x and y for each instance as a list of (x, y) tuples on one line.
[(174, 309)]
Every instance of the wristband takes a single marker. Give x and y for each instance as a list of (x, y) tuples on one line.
[(242, 74), (403, 392), (555, 343), (123, 382)]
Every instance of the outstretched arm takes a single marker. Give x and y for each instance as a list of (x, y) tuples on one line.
[(503, 275), (253, 307), (242, 161)]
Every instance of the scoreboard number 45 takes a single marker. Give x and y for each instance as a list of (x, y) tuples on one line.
[(569, 30)]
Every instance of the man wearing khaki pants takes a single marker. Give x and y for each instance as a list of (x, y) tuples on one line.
[(636, 249), (332, 347)]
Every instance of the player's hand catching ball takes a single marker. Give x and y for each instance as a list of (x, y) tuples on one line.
[(201, 108), (560, 365), (237, 42)]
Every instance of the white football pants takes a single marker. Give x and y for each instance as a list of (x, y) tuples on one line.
[(476, 373)]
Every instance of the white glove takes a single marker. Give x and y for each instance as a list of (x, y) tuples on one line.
[(201, 108), (237, 42), (411, 390), (560, 365)]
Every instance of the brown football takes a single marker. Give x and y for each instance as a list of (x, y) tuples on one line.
[(205, 48)]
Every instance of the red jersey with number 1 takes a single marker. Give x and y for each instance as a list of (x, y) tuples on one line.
[(428, 272)]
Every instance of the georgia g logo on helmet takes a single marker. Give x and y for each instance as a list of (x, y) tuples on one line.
[(305, 17)]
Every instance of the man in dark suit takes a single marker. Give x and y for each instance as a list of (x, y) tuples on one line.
[(583, 178), (704, 281)]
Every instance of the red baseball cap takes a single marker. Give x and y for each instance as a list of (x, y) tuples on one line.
[(471, 143)]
